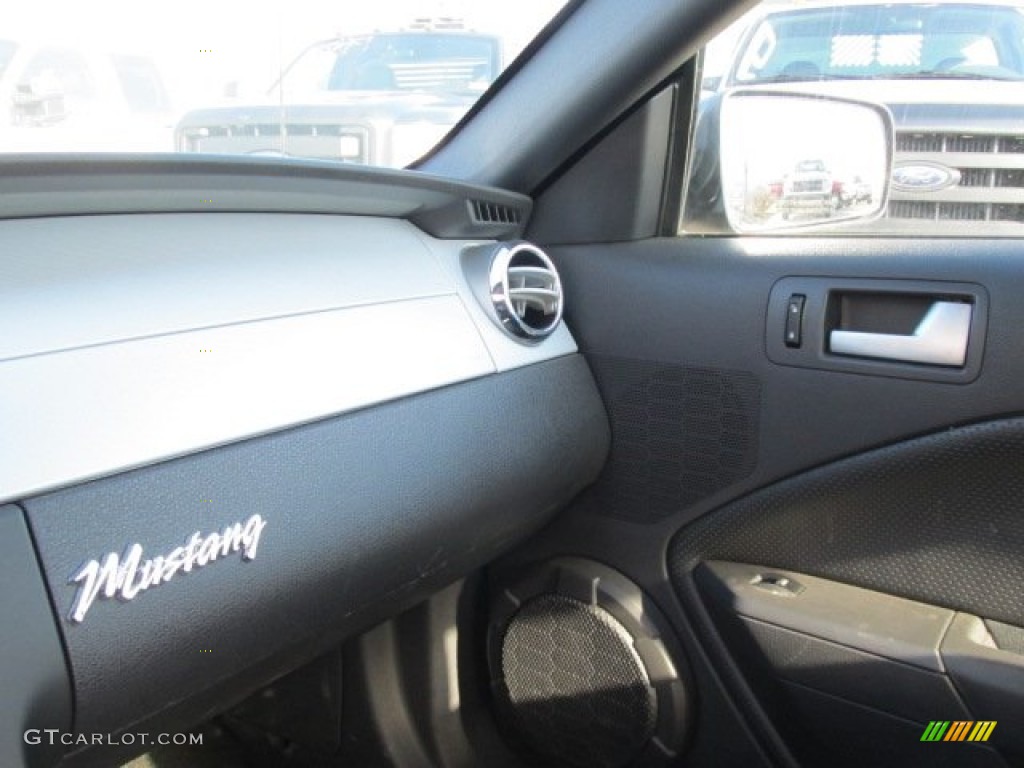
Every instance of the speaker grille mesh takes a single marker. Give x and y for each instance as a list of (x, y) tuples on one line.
[(678, 434), (577, 690)]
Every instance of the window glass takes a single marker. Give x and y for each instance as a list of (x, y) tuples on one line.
[(374, 83), (435, 63), (950, 73)]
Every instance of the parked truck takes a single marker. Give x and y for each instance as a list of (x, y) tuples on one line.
[(379, 99)]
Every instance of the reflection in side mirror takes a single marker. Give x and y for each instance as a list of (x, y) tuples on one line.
[(795, 161)]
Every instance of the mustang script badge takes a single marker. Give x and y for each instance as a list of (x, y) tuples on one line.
[(125, 576)]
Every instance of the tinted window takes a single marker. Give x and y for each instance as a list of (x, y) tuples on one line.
[(883, 41), (420, 62)]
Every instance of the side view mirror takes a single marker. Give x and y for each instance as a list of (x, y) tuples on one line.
[(799, 161), (39, 102)]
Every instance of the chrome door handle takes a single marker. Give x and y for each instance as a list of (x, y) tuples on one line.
[(940, 338)]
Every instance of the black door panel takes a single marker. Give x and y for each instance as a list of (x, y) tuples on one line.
[(938, 519), (702, 304), (896, 477), (856, 672)]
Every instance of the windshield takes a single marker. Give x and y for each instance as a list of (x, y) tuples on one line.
[(376, 83), (885, 41)]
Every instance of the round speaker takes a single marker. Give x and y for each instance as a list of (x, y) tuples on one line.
[(580, 671)]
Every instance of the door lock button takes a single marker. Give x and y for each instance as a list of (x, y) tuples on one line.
[(795, 320), (777, 583)]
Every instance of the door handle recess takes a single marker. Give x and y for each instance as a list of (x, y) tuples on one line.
[(940, 338)]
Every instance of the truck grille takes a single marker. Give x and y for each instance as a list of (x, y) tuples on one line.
[(919, 209), (953, 142), (329, 142), (991, 177)]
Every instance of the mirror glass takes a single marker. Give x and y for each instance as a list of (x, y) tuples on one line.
[(792, 161)]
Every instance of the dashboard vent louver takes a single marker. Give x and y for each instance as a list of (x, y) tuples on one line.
[(494, 213), (525, 290), (517, 286)]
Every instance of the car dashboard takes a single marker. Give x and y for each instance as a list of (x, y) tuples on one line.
[(251, 410)]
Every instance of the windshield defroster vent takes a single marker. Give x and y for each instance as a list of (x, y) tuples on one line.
[(494, 213), (519, 287)]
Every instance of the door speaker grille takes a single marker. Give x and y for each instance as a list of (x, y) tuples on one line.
[(581, 670), (679, 434), (576, 687)]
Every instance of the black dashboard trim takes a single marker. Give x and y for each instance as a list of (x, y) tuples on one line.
[(33, 670), (365, 514)]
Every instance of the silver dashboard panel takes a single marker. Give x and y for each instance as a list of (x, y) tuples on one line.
[(133, 339), (71, 282)]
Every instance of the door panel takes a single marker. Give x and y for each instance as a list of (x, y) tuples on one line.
[(854, 659), (938, 519), (702, 304), (934, 519), (899, 478)]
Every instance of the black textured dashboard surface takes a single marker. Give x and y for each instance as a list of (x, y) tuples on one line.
[(938, 519), (36, 688), (364, 513)]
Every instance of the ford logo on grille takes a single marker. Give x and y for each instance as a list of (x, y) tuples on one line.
[(924, 177)]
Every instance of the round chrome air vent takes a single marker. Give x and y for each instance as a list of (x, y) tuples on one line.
[(525, 291)]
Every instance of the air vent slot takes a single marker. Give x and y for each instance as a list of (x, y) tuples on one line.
[(535, 296), (485, 212), (526, 291), (518, 286)]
